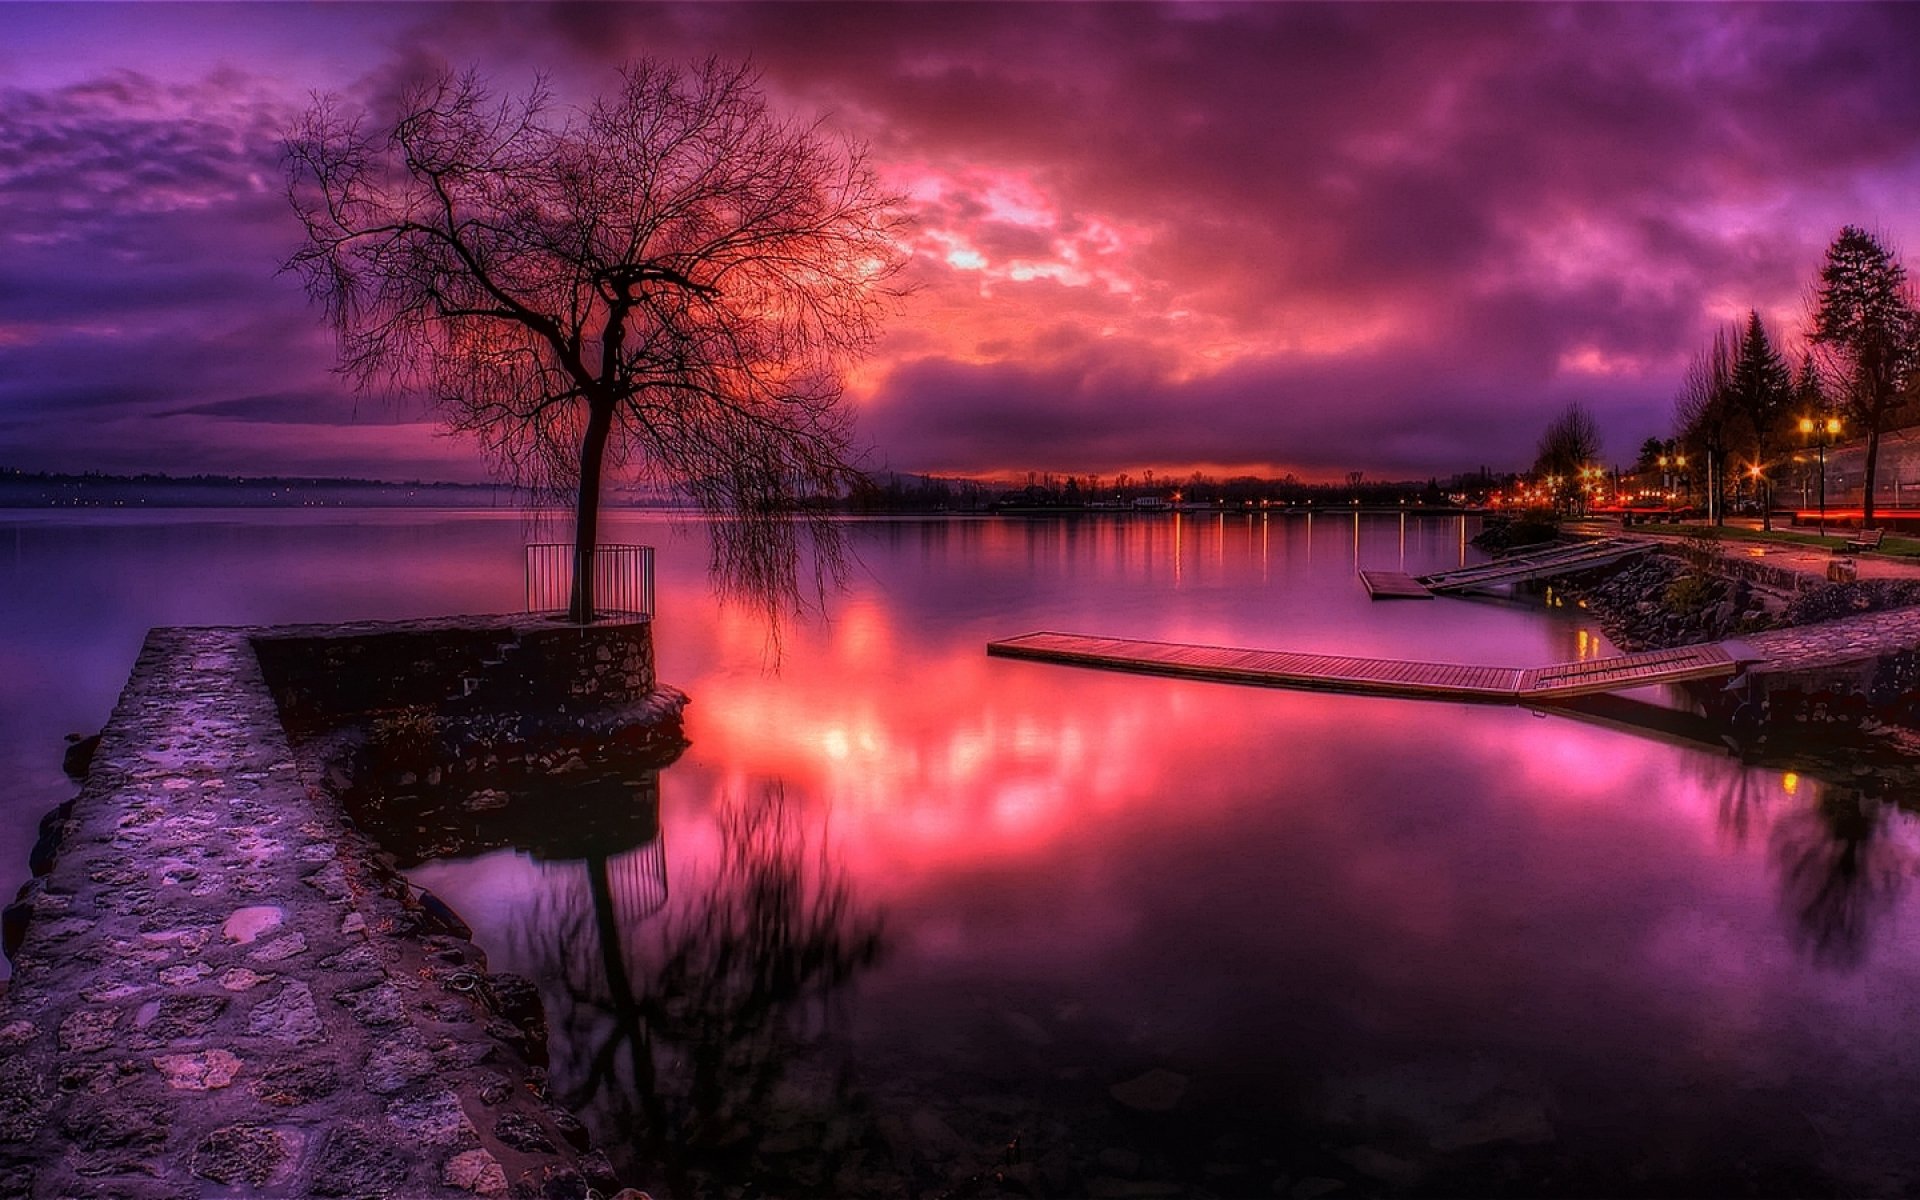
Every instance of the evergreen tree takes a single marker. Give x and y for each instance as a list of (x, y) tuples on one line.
[(1761, 392), (1868, 333)]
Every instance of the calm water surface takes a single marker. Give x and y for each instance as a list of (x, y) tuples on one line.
[(914, 920)]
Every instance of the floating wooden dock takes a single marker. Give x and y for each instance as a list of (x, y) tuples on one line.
[(1394, 585), (1379, 676), (1514, 568)]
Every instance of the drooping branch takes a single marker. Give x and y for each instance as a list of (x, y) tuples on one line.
[(675, 258)]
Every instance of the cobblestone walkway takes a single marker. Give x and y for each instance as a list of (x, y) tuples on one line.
[(1839, 642), (218, 993)]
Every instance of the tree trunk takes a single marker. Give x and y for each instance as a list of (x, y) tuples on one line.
[(586, 514), (1766, 484), (1873, 471)]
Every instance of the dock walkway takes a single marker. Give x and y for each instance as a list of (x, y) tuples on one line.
[(1513, 568), (1376, 676), (1394, 585)]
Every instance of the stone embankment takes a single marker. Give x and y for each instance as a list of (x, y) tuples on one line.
[(1826, 650), (219, 988)]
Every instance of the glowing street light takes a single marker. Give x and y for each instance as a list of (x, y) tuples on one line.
[(1762, 486), (1826, 430), (1679, 464)]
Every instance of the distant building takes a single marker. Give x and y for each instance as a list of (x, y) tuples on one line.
[(1897, 485)]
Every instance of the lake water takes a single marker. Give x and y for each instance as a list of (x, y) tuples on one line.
[(918, 921)]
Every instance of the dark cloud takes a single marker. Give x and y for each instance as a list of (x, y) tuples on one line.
[(1103, 409), (1391, 237), (139, 293), (300, 408)]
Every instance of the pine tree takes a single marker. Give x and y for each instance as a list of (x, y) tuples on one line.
[(1868, 333), (1760, 391)]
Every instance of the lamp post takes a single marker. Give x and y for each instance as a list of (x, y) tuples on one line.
[(1678, 463), (1763, 489), (1827, 431)]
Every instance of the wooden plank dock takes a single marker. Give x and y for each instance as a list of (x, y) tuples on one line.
[(1376, 676), (1621, 671), (1394, 585), (1533, 564)]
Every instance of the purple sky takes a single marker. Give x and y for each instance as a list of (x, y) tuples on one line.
[(1268, 237)]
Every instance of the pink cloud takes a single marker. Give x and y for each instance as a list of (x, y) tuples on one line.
[(1393, 238)]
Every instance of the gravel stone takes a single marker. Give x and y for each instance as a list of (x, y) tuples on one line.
[(198, 1072), (288, 1016), (241, 1154)]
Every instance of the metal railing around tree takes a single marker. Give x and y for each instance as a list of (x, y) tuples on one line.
[(622, 579)]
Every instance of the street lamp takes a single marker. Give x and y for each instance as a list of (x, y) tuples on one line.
[(1827, 431), (1763, 488), (1679, 464)]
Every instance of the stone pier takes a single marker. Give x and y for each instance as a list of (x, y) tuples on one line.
[(1872, 658), (219, 990)]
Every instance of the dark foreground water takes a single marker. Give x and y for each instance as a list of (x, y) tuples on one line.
[(908, 920)]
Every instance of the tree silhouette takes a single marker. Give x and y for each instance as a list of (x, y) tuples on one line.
[(1761, 391), (1866, 328), (681, 1026), (1570, 442), (1840, 871), (1704, 411), (671, 280)]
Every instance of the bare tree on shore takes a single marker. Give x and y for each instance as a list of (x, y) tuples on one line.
[(1707, 418), (1569, 444), (671, 280)]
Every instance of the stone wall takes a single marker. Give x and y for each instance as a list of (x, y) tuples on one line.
[(325, 676), (221, 989), (1831, 652)]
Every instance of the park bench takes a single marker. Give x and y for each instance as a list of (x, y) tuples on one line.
[(1868, 539)]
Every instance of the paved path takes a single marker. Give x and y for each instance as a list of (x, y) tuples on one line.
[(1808, 561), (1844, 641), (220, 994)]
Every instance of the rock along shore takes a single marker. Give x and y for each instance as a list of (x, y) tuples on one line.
[(1832, 651), (220, 990)]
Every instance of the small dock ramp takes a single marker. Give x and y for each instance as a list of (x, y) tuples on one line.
[(1595, 675), (1533, 564), (1376, 676), (1394, 585)]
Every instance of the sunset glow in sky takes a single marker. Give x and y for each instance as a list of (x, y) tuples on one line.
[(1269, 238)]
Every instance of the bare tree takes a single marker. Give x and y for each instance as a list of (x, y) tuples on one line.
[(1706, 417), (1569, 444), (1867, 331), (671, 280)]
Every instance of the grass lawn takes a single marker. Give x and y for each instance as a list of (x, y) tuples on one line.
[(1895, 545)]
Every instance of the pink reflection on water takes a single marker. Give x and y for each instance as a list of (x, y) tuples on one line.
[(1307, 890)]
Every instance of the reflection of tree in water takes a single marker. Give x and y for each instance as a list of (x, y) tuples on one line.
[(1840, 870), (690, 1030), (1833, 844), (1741, 799)]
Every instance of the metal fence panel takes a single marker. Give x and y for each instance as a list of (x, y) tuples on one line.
[(622, 579)]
